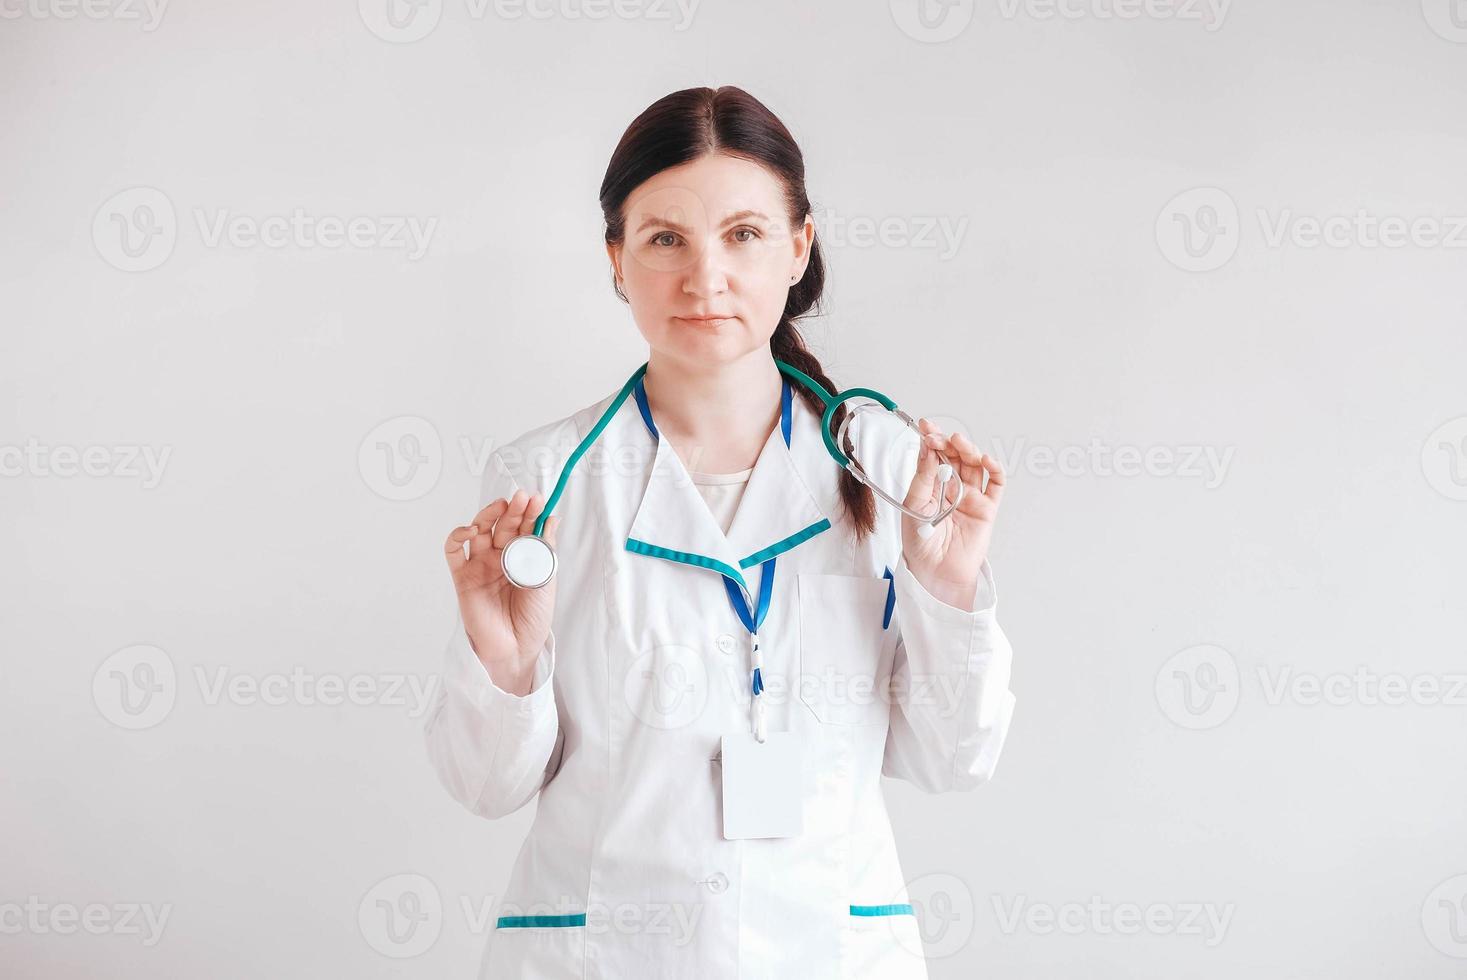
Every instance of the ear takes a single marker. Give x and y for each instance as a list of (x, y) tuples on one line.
[(613, 252), (804, 242)]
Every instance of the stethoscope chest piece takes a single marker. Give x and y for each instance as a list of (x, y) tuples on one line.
[(528, 561)]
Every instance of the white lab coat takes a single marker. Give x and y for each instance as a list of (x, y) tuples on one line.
[(647, 666)]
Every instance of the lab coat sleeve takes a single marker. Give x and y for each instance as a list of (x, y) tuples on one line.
[(492, 750), (952, 705)]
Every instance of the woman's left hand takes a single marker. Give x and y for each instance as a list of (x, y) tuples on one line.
[(949, 562)]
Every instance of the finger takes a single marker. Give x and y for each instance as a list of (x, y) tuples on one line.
[(533, 507), (453, 548), (995, 478), (924, 481), (485, 518), (964, 448), (969, 459), (552, 524), (508, 526)]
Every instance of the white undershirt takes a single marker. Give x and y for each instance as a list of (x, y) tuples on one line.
[(722, 492)]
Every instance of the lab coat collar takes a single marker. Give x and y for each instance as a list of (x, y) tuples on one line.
[(777, 511)]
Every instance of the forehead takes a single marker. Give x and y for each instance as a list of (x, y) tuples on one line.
[(705, 191)]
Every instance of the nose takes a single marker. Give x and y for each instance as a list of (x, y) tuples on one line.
[(705, 276)]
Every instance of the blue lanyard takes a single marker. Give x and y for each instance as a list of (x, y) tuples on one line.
[(736, 598), (752, 623)]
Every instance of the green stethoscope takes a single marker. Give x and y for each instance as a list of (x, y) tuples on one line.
[(529, 561)]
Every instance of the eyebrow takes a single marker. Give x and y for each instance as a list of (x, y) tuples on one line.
[(653, 219)]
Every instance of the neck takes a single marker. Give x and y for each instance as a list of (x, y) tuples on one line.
[(717, 416)]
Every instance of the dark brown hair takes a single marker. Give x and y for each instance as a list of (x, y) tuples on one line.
[(694, 123)]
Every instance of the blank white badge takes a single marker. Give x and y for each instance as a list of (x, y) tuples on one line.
[(763, 786)]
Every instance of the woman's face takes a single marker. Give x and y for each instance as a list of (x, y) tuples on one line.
[(709, 239)]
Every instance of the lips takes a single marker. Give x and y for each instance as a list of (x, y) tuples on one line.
[(707, 319)]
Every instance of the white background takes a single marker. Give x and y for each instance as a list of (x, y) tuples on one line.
[(1087, 310)]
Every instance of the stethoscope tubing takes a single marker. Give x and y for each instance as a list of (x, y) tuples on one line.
[(831, 402)]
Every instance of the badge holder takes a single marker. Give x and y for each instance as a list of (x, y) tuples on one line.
[(763, 786)]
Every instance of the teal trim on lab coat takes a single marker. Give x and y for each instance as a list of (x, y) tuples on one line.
[(779, 547), (902, 909), (533, 921)]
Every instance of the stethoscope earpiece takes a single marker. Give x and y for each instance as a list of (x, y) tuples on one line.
[(945, 470)]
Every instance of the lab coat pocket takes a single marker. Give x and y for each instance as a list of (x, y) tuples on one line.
[(552, 947), (883, 944), (845, 655)]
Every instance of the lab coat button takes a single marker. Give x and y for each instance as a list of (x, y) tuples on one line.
[(726, 643), (717, 882)]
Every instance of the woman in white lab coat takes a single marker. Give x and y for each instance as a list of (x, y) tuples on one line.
[(613, 692)]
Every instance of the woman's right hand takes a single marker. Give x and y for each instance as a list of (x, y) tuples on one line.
[(507, 625)]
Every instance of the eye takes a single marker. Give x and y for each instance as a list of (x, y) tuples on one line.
[(754, 232), (657, 239)]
